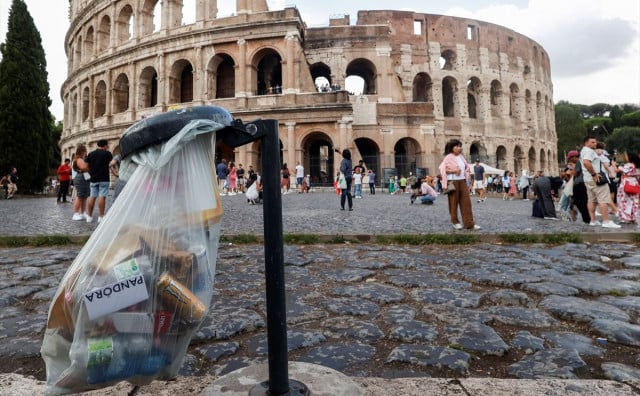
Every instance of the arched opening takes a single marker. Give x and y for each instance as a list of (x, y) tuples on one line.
[(370, 153), (148, 88), (181, 82), (496, 98), (473, 92), (422, 88), (124, 24), (449, 89), (321, 75), (532, 160), (150, 15), (225, 76), (319, 155), (85, 104), (88, 43), (104, 32), (227, 152), (268, 64), (447, 60), (543, 160), (501, 158), (121, 94), (100, 106), (366, 70), (406, 156), (518, 157), (477, 151)]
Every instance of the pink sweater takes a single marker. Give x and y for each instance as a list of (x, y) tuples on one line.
[(450, 164)]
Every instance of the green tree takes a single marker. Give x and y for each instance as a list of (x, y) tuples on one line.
[(624, 139), (630, 119), (25, 120), (570, 127), (600, 127)]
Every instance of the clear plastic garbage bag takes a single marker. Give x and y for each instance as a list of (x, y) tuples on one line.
[(128, 305)]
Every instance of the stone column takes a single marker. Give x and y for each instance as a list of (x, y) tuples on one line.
[(289, 82), (242, 70), (162, 80), (199, 77), (291, 145), (242, 7)]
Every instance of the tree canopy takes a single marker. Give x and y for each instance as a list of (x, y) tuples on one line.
[(25, 121)]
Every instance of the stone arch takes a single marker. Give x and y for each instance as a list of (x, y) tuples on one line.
[(543, 160), (147, 16), (448, 59), (267, 78), (318, 157), (181, 82), (100, 99), (321, 75), (473, 94), (121, 93), (85, 103), (406, 156), (449, 96), (366, 70), (89, 38), (104, 32), (501, 158), (422, 88), (518, 157), (370, 153), (124, 24), (496, 98), (78, 55), (148, 88), (477, 150), (221, 76), (531, 164)]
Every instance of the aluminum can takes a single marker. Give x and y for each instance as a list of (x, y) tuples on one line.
[(177, 297)]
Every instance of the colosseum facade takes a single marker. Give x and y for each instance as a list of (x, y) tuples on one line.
[(423, 79)]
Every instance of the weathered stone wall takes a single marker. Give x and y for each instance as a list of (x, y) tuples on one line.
[(427, 78)]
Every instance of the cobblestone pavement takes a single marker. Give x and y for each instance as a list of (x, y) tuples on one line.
[(486, 310)]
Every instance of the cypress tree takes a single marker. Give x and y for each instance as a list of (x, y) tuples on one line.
[(25, 120)]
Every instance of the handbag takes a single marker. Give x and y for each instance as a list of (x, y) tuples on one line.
[(631, 189), (450, 187), (603, 179), (342, 182), (568, 188)]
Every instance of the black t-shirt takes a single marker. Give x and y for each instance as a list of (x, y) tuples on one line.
[(98, 161), (240, 173)]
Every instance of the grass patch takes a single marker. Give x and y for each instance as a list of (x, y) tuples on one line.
[(337, 240), (301, 239), (519, 238), (561, 238), (617, 293), (635, 237), (240, 239), (42, 240), (428, 239)]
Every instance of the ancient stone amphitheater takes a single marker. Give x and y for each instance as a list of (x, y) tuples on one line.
[(393, 88)]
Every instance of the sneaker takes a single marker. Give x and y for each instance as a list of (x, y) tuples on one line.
[(457, 226), (477, 227), (89, 218), (77, 216), (551, 218), (595, 223), (610, 224), (100, 218), (479, 200)]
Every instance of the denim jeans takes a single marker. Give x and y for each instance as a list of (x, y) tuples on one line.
[(357, 190)]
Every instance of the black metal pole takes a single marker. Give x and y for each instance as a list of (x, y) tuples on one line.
[(274, 262)]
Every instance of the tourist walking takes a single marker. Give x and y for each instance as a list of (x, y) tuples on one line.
[(372, 182), (546, 189), (285, 182), (628, 195), (64, 177), (232, 178), (222, 171), (596, 183), (346, 169), (478, 180), (98, 161), (357, 184), (455, 170), (299, 177), (523, 184), (81, 183), (241, 180)]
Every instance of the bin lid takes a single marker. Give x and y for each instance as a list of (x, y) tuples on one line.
[(162, 127)]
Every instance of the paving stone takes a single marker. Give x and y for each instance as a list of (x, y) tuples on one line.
[(479, 338), (440, 357), (617, 331), (527, 341), (414, 330), (555, 363), (345, 326), (517, 316), (566, 340), (629, 304), (458, 298), (216, 351), (222, 325), (295, 339), (399, 313), (509, 297), (351, 306), (582, 310), (620, 372), (339, 356), (548, 288), (372, 291)]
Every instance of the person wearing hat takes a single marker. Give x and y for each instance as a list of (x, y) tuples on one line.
[(478, 180)]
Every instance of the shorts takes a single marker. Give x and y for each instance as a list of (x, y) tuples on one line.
[(99, 189), (599, 194), (478, 184)]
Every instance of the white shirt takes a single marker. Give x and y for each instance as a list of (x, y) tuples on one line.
[(357, 178), (299, 171)]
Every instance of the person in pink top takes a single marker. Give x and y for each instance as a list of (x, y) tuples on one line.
[(455, 169), (233, 178)]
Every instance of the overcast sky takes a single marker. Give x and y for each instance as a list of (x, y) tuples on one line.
[(594, 45)]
